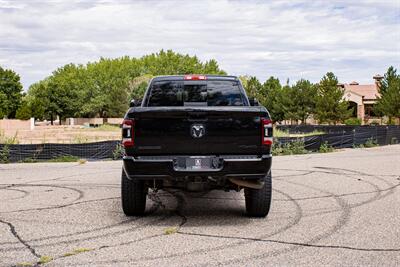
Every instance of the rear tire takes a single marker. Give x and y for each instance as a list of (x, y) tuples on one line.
[(258, 201), (133, 196)]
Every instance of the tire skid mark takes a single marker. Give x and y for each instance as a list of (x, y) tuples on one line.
[(59, 206), (343, 204), (25, 193), (152, 210), (296, 243), (80, 195), (296, 219), (340, 222), (387, 191), (157, 204), (81, 232), (377, 192), (343, 195), (345, 208), (392, 186)]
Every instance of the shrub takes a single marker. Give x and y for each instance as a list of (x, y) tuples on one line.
[(358, 146), (8, 140), (291, 148), (5, 154), (353, 121), (325, 148), (118, 152), (374, 123), (297, 147), (277, 149), (29, 160), (371, 142)]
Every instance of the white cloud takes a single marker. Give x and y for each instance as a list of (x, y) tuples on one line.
[(287, 39)]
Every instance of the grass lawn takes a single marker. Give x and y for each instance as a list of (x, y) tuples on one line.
[(280, 133)]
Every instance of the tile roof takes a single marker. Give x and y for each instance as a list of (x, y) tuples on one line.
[(368, 91)]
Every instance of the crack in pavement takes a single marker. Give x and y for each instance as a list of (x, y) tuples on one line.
[(17, 236), (295, 220), (180, 198), (293, 243), (157, 204)]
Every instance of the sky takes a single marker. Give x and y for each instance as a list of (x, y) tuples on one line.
[(286, 39)]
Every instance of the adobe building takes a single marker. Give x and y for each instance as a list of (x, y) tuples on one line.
[(363, 97)]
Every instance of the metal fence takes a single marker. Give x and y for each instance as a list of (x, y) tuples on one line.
[(335, 136), (91, 151), (342, 136)]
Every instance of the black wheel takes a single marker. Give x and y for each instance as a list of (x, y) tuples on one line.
[(133, 195), (258, 201)]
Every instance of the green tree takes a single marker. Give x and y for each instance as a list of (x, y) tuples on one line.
[(64, 91), (330, 106), (171, 63), (3, 105), (40, 101), (274, 98), (389, 89), (10, 93), (105, 87), (252, 86), (138, 86), (105, 93), (37, 100), (301, 100), (24, 111)]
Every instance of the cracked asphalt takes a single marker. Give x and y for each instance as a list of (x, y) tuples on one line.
[(333, 209)]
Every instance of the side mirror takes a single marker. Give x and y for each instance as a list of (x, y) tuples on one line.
[(135, 103), (253, 102)]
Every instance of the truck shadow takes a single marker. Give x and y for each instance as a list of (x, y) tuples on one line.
[(201, 209)]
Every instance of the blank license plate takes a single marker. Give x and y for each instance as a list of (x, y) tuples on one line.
[(198, 163)]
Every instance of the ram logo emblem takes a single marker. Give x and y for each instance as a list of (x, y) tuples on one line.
[(197, 130)]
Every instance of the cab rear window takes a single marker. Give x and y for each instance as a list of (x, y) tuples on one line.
[(195, 93)]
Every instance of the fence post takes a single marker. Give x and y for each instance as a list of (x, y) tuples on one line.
[(32, 126), (341, 140)]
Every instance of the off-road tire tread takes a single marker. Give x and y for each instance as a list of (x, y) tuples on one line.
[(133, 196), (258, 201)]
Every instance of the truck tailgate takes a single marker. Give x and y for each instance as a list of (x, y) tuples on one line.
[(197, 130)]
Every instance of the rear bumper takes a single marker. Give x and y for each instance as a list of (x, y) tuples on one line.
[(149, 168)]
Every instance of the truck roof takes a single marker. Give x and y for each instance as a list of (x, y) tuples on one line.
[(183, 77)]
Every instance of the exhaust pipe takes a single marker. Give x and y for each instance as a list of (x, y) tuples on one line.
[(245, 183)]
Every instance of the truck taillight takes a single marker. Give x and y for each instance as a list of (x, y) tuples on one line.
[(195, 77), (266, 131), (128, 133)]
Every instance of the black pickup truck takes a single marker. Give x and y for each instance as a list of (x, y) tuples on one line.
[(197, 133)]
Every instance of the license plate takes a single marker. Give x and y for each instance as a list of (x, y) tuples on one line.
[(198, 163)]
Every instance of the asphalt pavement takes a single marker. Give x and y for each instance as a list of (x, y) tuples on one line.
[(340, 208)]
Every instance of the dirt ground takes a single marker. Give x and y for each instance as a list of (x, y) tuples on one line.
[(63, 134)]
